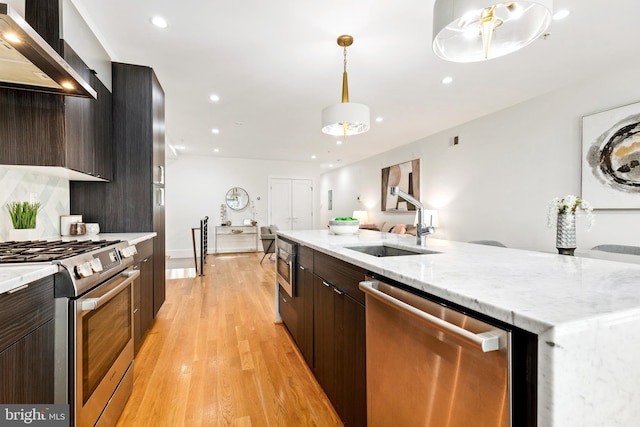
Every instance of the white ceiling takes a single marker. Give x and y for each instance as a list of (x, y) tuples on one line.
[(275, 65)]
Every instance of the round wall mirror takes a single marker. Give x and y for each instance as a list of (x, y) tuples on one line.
[(237, 198)]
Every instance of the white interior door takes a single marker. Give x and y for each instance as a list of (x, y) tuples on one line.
[(291, 203), (302, 204)]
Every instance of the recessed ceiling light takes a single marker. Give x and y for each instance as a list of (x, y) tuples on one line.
[(313, 157), (338, 142), (214, 98), (330, 165), (215, 131), (447, 80), (159, 21), (561, 14), (379, 119), (216, 150)]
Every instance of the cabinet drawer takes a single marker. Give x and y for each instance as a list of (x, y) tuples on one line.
[(305, 257), (288, 313), (340, 274), (144, 249), (25, 310)]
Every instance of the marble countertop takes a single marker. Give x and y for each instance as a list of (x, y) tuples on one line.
[(132, 238), (13, 276), (585, 312), (528, 289)]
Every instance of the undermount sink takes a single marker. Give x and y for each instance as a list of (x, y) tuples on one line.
[(385, 251)]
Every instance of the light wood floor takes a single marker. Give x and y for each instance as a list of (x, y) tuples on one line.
[(215, 356)]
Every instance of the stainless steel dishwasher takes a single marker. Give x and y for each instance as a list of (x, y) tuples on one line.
[(431, 366)]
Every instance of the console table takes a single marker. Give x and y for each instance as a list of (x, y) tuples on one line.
[(236, 238)]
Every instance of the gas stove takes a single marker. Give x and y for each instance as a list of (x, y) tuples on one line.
[(82, 263), (45, 250)]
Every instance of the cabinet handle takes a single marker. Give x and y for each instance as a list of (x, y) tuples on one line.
[(160, 196), (328, 285), (145, 260), (284, 299), (338, 291), (301, 267), (18, 289)]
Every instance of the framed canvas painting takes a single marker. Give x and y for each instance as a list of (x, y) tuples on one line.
[(611, 158), (406, 176)]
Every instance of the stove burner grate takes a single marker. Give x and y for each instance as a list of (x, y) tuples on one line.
[(45, 250)]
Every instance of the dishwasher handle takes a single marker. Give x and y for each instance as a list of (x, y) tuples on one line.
[(485, 342)]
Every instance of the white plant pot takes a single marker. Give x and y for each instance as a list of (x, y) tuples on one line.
[(22, 235)]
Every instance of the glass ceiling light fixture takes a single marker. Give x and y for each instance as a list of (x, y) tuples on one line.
[(346, 118), (476, 30)]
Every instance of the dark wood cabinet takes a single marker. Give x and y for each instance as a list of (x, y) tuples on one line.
[(88, 124), (339, 337), (53, 130), (327, 321), (297, 312), (143, 292), (304, 291), (27, 344), (134, 200)]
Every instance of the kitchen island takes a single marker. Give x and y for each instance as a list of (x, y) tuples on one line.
[(585, 312)]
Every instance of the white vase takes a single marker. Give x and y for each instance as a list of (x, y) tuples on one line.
[(566, 233), (22, 235)]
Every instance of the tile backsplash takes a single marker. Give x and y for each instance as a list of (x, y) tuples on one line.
[(21, 185)]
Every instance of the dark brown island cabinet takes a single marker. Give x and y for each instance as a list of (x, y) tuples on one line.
[(133, 201), (326, 318), (27, 344)]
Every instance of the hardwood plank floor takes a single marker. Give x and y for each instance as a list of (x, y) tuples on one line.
[(215, 356)]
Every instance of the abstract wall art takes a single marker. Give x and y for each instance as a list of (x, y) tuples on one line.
[(405, 175), (611, 158)]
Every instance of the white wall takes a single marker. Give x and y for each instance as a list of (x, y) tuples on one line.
[(497, 182), (196, 187), (25, 186)]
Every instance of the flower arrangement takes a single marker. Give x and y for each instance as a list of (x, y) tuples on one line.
[(23, 214), (568, 205)]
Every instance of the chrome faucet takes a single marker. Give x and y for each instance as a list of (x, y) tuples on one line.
[(422, 229)]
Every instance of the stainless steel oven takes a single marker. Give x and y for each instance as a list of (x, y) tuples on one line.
[(104, 350), (93, 290), (285, 265)]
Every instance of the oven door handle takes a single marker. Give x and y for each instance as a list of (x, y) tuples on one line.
[(89, 304)]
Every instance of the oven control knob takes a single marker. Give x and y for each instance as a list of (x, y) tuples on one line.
[(129, 251), (83, 270), (96, 265)]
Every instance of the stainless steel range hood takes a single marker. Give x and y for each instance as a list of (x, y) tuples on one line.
[(28, 62)]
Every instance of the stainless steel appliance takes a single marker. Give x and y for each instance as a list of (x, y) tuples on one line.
[(285, 265), (431, 366), (29, 63), (93, 324)]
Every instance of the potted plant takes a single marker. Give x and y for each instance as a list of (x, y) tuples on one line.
[(23, 216)]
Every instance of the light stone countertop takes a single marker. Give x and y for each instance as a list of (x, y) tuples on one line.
[(13, 276), (585, 311)]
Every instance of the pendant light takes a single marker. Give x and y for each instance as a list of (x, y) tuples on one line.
[(346, 118), (476, 30)]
